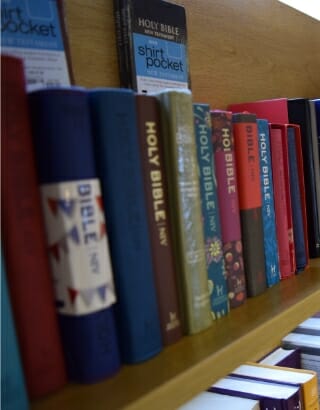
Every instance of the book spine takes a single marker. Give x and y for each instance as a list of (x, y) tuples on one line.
[(114, 121), (250, 200), (155, 184), (279, 156), (310, 394), (271, 252), (224, 156), (296, 205), (13, 390), (76, 232), (185, 208), (23, 233), (210, 213)]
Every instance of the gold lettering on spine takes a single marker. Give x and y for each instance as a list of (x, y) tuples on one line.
[(156, 181)]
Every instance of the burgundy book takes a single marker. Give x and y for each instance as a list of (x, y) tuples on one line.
[(246, 143), (155, 186), (24, 243), (227, 188)]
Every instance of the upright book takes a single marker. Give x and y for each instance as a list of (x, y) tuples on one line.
[(250, 200), (210, 212), (185, 207), (283, 357), (282, 199), (119, 164), (23, 236), (228, 198), (271, 252), (155, 185), (309, 326), (76, 232), (152, 45), (13, 389), (214, 401), (34, 30)]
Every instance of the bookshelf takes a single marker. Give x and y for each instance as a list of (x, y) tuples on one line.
[(238, 51)]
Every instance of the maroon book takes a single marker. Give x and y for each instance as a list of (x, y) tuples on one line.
[(24, 243), (155, 186)]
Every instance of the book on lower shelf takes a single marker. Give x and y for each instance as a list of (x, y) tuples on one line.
[(152, 45), (309, 326), (77, 238), (283, 357)]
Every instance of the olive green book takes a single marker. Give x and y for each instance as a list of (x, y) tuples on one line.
[(180, 157)]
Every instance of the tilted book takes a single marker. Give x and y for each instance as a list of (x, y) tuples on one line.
[(155, 185), (210, 212), (225, 161), (271, 395), (299, 113), (282, 199), (77, 238), (185, 207), (13, 389), (305, 379), (271, 252), (119, 163), (297, 196), (23, 235), (152, 45), (246, 143), (34, 31)]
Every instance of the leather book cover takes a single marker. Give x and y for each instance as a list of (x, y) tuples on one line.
[(228, 197), (155, 186), (250, 200), (24, 244)]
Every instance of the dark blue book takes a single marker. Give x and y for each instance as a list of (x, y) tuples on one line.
[(76, 232), (296, 204), (113, 113), (317, 111), (271, 251), (210, 213), (13, 390)]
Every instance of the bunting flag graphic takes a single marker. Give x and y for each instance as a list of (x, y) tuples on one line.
[(54, 250), (100, 203), (67, 206), (74, 235), (103, 230), (73, 293), (87, 295), (102, 290), (53, 206)]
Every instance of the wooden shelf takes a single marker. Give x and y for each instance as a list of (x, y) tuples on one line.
[(181, 371)]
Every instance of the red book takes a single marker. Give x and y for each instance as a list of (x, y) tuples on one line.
[(227, 189), (282, 201), (155, 186), (246, 143), (24, 243)]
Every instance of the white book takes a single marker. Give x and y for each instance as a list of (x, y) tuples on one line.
[(309, 326), (278, 356), (215, 401), (303, 341)]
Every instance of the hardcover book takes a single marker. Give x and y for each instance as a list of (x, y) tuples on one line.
[(212, 401), (155, 185), (34, 31), (185, 207), (250, 200), (271, 252), (299, 113), (77, 238), (298, 205), (119, 163), (227, 184), (271, 395), (13, 389), (152, 45), (305, 379), (283, 357), (23, 235), (310, 326), (282, 200), (210, 212)]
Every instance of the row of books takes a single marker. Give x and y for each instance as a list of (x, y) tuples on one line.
[(179, 248), (287, 378)]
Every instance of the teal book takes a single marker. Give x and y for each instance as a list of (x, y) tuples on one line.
[(210, 213), (268, 215), (13, 390)]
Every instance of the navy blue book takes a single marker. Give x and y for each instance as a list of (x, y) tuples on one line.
[(113, 113), (217, 280), (296, 204), (271, 251), (13, 390), (76, 232)]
